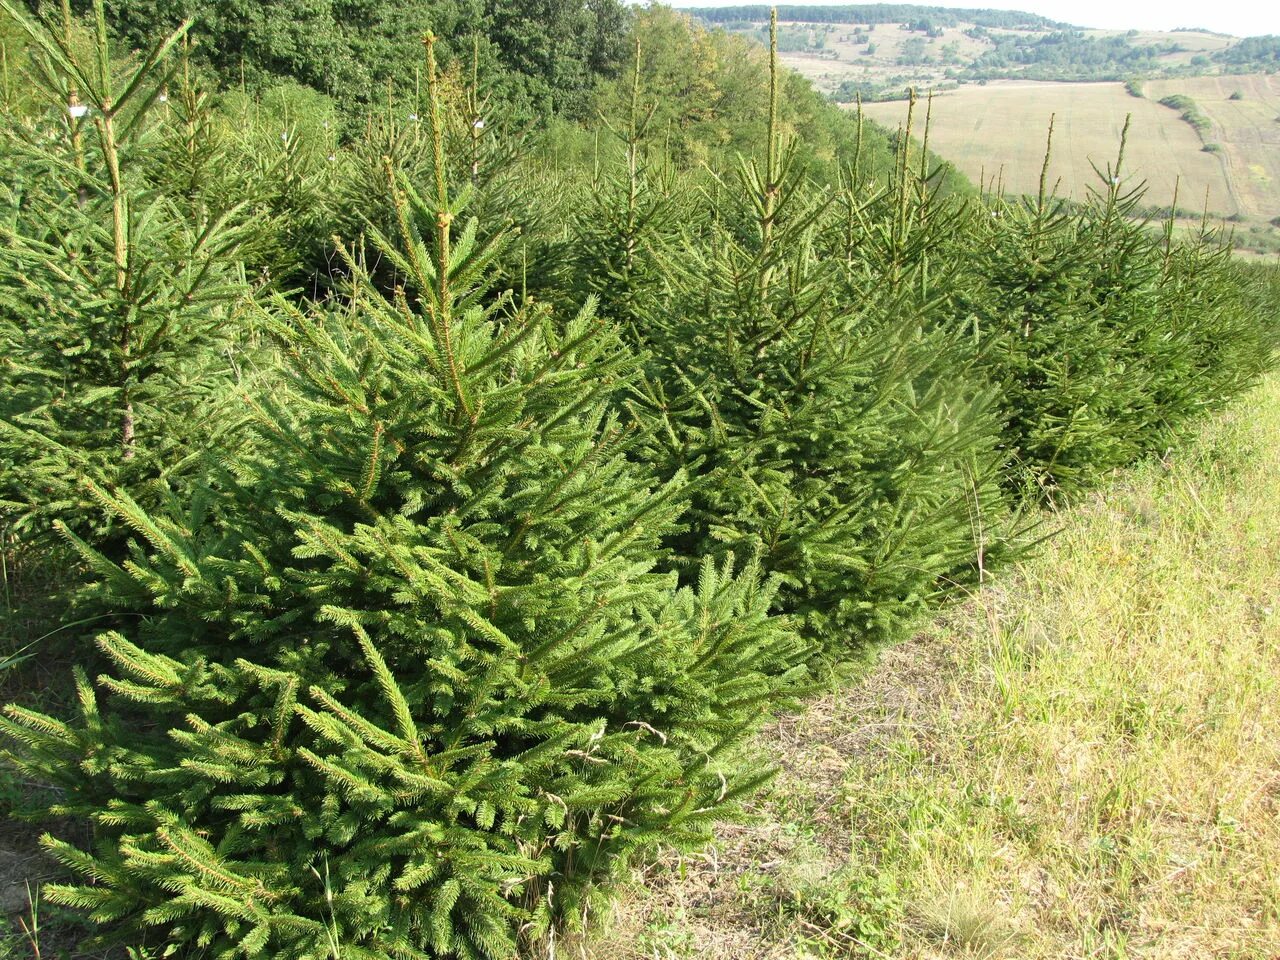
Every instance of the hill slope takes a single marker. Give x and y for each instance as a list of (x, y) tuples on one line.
[(997, 132), (1245, 115), (880, 49), (1231, 164), (1001, 75)]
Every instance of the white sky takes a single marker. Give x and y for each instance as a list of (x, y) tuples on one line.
[(1243, 19)]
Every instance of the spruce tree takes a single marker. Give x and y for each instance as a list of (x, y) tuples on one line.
[(829, 429), (284, 168), (116, 306), (1226, 334), (1102, 348), (418, 681), (489, 155), (628, 219), (1055, 355)]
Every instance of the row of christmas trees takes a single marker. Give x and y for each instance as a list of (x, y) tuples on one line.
[(433, 585)]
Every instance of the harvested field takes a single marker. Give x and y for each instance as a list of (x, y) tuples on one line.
[(987, 131), (1248, 128)]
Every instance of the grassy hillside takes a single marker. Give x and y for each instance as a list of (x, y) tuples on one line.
[(1080, 761)]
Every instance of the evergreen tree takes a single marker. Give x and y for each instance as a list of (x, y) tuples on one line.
[(270, 164), (509, 191), (1101, 349), (1227, 330), (843, 436), (621, 232), (419, 681), (1054, 350), (116, 306)]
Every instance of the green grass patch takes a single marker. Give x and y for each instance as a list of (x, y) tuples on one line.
[(1190, 112)]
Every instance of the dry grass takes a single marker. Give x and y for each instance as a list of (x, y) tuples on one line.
[(1082, 761)]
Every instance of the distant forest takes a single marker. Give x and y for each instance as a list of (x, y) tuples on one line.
[(878, 13), (1262, 53), (1069, 54)]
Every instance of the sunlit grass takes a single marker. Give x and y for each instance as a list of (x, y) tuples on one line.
[(1104, 777), (1082, 761)]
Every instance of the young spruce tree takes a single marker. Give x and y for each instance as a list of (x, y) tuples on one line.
[(626, 221), (425, 682), (825, 428), (116, 307), (1104, 340)]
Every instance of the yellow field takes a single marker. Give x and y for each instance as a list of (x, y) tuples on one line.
[(998, 131), (1248, 129)]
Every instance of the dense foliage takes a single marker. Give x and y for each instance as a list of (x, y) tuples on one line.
[(479, 687), (1190, 111), (1068, 55), (452, 501), (548, 54), (1252, 53)]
